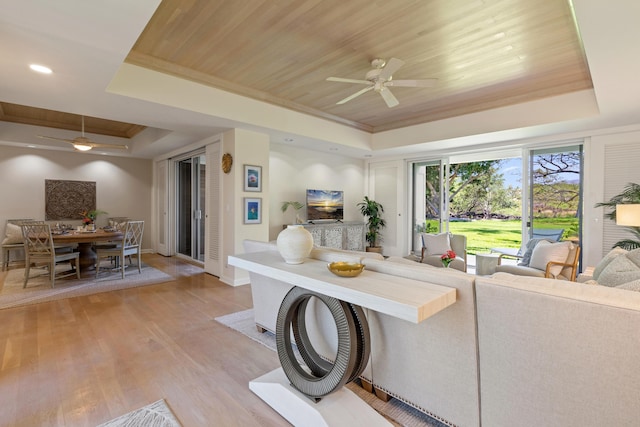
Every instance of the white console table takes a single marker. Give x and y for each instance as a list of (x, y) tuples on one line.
[(407, 299)]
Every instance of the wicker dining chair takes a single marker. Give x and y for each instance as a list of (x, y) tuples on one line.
[(40, 249), (131, 245)]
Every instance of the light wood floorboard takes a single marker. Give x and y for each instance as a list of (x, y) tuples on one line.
[(85, 360)]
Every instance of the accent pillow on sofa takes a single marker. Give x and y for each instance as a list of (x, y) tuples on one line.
[(613, 253), (622, 269), (545, 252), (13, 234), (630, 286), (436, 244)]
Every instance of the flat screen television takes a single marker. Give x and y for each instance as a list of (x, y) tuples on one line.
[(325, 205)]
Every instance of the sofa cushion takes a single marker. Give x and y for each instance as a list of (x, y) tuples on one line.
[(545, 252), (436, 244), (519, 270), (13, 234), (620, 270), (613, 253)]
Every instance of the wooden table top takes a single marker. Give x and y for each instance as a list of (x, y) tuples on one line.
[(407, 299), (87, 236)]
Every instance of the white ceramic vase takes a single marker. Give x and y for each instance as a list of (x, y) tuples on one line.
[(294, 244)]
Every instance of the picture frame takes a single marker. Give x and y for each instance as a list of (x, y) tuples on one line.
[(253, 210), (252, 178)]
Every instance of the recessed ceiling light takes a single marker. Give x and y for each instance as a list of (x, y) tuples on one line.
[(40, 68)]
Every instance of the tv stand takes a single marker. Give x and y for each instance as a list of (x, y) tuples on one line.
[(338, 235)]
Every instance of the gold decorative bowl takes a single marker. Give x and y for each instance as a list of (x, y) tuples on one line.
[(345, 269)]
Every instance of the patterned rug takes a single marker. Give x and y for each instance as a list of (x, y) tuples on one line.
[(157, 414), (39, 289), (394, 410)]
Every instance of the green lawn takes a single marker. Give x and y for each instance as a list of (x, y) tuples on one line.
[(485, 234)]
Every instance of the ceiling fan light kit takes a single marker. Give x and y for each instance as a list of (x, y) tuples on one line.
[(81, 143), (380, 78)]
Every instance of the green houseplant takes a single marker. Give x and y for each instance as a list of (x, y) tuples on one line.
[(372, 211), (629, 195)]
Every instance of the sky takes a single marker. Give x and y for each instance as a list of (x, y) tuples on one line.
[(511, 170)]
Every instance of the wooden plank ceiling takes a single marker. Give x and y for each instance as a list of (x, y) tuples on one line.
[(55, 119), (484, 53)]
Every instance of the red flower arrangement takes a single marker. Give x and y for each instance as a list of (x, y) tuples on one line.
[(447, 257)]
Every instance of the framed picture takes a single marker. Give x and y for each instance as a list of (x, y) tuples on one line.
[(252, 210), (252, 178)]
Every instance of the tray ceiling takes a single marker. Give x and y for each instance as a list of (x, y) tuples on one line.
[(485, 54)]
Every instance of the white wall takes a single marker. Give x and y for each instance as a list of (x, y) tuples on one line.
[(294, 170), (123, 185)]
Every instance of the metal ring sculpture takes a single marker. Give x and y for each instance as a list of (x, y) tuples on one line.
[(353, 344)]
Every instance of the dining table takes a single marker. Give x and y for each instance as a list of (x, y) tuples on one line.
[(85, 240)]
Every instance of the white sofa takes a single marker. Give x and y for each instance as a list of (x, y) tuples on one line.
[(512, 350), (556, 353)]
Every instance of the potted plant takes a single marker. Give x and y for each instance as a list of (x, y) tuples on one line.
[(295, 205), (372, 210), (629, 195)]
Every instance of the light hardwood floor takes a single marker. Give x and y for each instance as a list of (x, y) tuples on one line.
[(85, 360)]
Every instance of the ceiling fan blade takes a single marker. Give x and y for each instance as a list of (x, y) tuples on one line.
[(358, 93), (341, 80), (55, 139), (392, 66), (412, 83), (388, 97), (116, 146)]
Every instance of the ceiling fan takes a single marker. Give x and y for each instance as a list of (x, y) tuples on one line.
[(81, 143), (379, 79)]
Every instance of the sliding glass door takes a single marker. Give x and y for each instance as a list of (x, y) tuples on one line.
[(190, 174), (428, 201), (555, 191)]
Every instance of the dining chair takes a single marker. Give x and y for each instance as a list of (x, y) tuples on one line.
[(39, 248), (118, 223), (130, 245)]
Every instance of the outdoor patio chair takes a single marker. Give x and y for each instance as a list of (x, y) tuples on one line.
[(550, 234), (546, 262)]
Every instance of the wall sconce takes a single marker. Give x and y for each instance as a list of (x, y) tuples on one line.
[(628, 215)]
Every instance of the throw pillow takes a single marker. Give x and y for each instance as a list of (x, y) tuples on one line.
[(630, 286), (545, 252), (13, 234), (526, 258), (436, 244), (619, 271), (613, 253)]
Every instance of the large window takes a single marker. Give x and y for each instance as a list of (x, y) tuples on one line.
[(483, 198)]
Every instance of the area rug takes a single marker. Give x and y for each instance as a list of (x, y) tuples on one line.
[(157, 414), (396, 411), (39, 289)]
